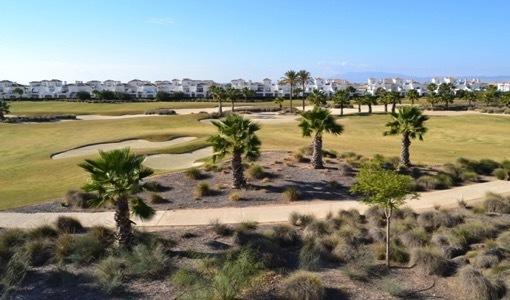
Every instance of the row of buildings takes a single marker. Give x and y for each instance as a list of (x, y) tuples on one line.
[(140, 89)]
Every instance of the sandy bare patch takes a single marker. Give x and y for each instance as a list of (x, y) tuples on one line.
[(134, 144), (177, 161), (264, 118)]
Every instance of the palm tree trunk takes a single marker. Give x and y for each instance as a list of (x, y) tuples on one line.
[(303, 97), (232, 103), (388, 213), (412, 101), (220, 109), (370, 108), (393, 106), (404, 152), (341, 109), (385, 107), (124, 233), (317, 162), (359, 107), (290, 98), (238, 180)]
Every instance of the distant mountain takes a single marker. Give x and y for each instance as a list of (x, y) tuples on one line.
[(361, 77)]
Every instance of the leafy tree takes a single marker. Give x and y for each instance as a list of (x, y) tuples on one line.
[(279, 101), (490, 95), (163, 96), (4, 109), (304, 76), (117, 177), (218, 94), (446, 93), (83, 95), (104, 95), (386, 189), (232, 94), (291, 78), (460, 94), (247, 93), (412, 95), (505, 99), (410, 123), (315, 123), (471, 97), (317, 98), (342, 98), (432, 94), (18, 91), (236, 136), (369, 100)]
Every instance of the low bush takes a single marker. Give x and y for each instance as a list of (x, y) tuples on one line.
[(344, 251), (310, 256), (147, 261), (415, 237), (303, 286), (109, 274), (317, 228), (484, 261), (39, 251), (158, 199), (430, 261), (247, 225), (361, 266), (444, 181), (398, 253), (202, 190), (221, 229), (485, 166), (427, 182), (503, 241), (154, 186), (500, 173), (234, 196), (469, 233), (471, 176), (86, 249), (432, 220), (69, 225), (256, 172), (15, 271), (43, 232), (375, 216), (194, 173), (78, 199), (473, 285), (104, 235), (291, 194), (495, 203), (285, 235), (10, 240), (393, 287)]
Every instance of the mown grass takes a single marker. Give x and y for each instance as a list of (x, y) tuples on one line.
[(28, 175)]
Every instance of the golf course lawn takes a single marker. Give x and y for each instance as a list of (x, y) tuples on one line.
[(28, 175), (32, 108)]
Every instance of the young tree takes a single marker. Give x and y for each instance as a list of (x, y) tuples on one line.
[(291, 78), (317, 98), (236, 136), (446, 93), (218, 94), (4, 109), (342, 98), (304, 76), (432, 94), (232, 94), (117, 177), (279, 101), (490, 95), (471, 97), (410, 123), (315, 123), (412, 95), (386, 189)]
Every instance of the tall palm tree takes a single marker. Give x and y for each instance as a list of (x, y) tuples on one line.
[(342, 98), (315, 123), (304, 77), (218, 94), (317, 98), (4, 109), (117, 177), (412, 95), (232, 94), (236, 136), (291, 78), (410, 123)]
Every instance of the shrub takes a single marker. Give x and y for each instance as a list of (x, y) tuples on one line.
[(221, 229), (468, 176), (316, 228), (42, 232), (500, 173), (504, 241), (344, 251), (398, 253), (430, 261), (234, 196), (11, 239), (427, 182), (109, 273), (157, 199), (473, 285), (63, 248), (298, 219), (154, 186), (416, 237), (505, 164), (361, 266), (469, 233), (285, 235), (269, 253), (444, 181), (432, 220), (15, 270), (193, 173), (303, 286), (486, 166), (78, 199), (310, 256), (86, 249), (69, 225), (39, 251), (375, 215), (393, 287), (453, 171), (495, 203), (203, 189), (147, 261), (291, 194), (104, 235), (256, 172), (484, 261), (247, 225)]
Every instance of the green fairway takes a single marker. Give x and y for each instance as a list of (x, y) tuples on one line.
[(28, 175)]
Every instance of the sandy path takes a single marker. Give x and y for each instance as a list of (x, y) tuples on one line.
[(177, 161), (264, 214), (134, 144)]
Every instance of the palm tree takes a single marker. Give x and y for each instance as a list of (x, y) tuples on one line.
[(218, 94), (359, 101), (409, 122), (279, 101), (395, 97), (317, 98), (369, 100), (236, 136), (412, 95), (446, 93), (4, 109), (432, 95), (342, 98), (247, 93), (232, 94), (304, 76), (315, 123), (291, 78), (117, 177)]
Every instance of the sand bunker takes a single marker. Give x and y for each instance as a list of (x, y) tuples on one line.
[(265, 118), (177, 161), (133, 144)]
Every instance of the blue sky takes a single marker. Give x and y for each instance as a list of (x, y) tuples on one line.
[(226, 39)]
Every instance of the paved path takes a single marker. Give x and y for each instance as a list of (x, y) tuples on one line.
[(262, 214)]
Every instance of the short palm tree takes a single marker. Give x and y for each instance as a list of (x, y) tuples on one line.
[(304, 77), (291, 78), (218, 94), (236, 136), (232, 94), (279, 101), (369, 100), (317, 98), (342, 98), (315, 123), (117, 177), (412, 95), (4, 109), (410, 123)]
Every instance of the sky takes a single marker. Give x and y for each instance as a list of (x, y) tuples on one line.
[(227, 39)]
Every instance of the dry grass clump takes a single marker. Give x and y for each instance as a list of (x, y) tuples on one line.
[(398, 253), (194, 173), (69, 225), (221, 229), (375, 216), (284, 235), (500, 173), (303, 286), (474, 285), (301, 220), (430, 261), (291, 194), (432, 220), (469, 233), (203, 189), (503, 241), (256, 172), (157, 199), (247, 226), (495, 203), (316, 228), (77, 199), (39, 251), (234, 196), (414, 237), (312, 255)]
